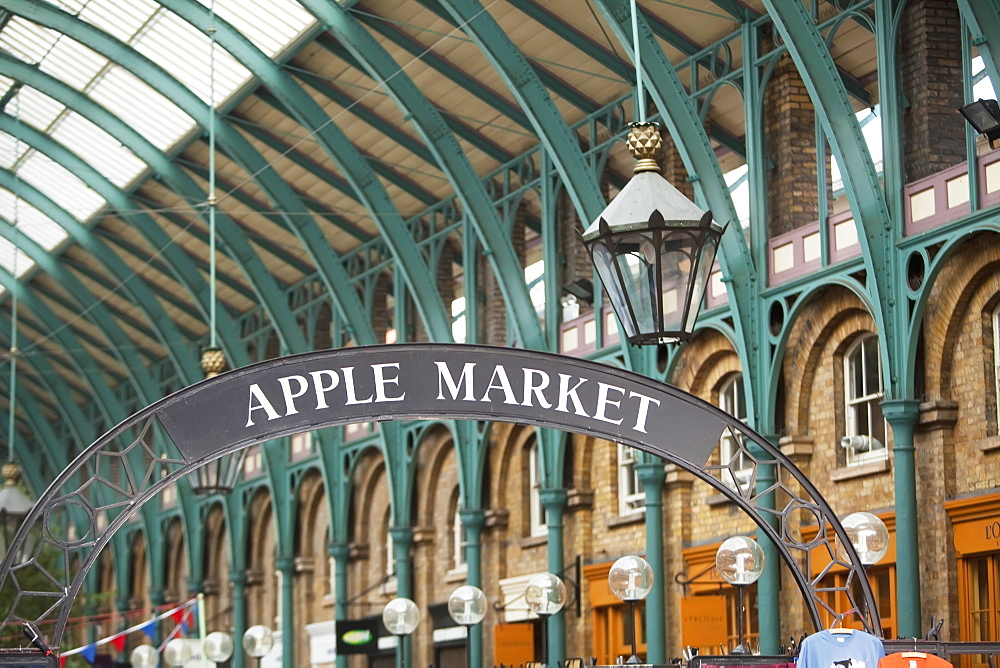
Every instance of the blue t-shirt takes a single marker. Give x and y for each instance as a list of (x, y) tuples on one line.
[(841, 650)]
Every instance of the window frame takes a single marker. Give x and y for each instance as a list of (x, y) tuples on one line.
[(536, 511), (631, 497), (867, 400), (732, 400)]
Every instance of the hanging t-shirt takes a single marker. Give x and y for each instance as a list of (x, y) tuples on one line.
[(913, 660), (857, 649)]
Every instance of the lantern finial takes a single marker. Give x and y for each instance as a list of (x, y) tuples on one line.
[(644, 143)]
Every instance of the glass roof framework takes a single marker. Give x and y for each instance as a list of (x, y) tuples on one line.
[(175, 45)]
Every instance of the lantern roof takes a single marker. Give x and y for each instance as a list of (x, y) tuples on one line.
[(645, 193)]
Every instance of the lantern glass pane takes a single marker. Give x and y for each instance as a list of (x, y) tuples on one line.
[(679, 254), (636, 257), (605, 265), (701, 278)]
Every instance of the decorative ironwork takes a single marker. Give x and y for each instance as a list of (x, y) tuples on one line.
[(104, 487)]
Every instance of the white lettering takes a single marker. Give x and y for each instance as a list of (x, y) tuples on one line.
[(322, 389), (567, 393), (444, 374), (262, 403), (500, 375), (640, 418), (352, 397), (286, 392), (530, 387), (381, 381), (603, 402)]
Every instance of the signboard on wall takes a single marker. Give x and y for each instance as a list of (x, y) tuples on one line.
[(357, 636), (703, 621)]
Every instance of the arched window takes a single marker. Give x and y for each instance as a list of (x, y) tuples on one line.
[(864, 437), (996, 366), (733, 400)]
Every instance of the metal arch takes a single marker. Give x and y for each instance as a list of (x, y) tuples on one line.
[(871, 213), (182, 265), (449, 157), (237, 146), (137, 438), (559, 141), (689, 136), (167, 331), (96, 311), (983, 18), (366, 184)]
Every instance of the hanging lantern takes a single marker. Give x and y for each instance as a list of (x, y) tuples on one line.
[(653, 250), (221, 475)]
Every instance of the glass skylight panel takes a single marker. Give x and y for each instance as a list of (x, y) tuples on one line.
[(61, 186), (34, 107), (26, 40), (97, 147), (74, 64), (122, 20), (270, 24), (24, 263), (190, 65), (10, 150), (31, 222), (136, 103), (5, 85)]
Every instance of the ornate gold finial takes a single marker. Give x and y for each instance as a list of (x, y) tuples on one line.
[(213, 362), (644, 143), (10, 473)]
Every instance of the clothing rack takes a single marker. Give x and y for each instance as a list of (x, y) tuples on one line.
[(941, 647), (699, 660)]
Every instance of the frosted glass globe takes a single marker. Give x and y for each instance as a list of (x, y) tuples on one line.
[(631, 578), (545, 594), (218, 646), (868, 535), (144, 656), (467, 605), (176, 653), (258, 640), (740, 560), (401, 616)]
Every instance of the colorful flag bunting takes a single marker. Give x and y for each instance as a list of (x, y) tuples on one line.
[(90, 653)]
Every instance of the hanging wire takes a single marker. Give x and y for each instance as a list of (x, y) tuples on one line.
[(212, 198), (640, 97), (12, 401)]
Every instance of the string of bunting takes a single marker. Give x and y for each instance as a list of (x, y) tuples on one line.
[(183, 615)]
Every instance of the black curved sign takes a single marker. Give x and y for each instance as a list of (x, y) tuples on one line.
[(315, 390)]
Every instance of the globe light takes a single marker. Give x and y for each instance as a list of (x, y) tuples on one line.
[(868, 535), (467, 605), (177, 653), (401, 616), (144, 656), (258, 640), (740, 560), (218, 646), (545, 594), (631, 578)]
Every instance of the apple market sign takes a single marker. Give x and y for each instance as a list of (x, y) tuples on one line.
[(316, 390)]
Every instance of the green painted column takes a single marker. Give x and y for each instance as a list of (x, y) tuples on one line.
[(769, 584), (238, 578), (554, 501), (653, 476), (340, 552), (286, 566), (472, 525), (902, 415), (402, 541)]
